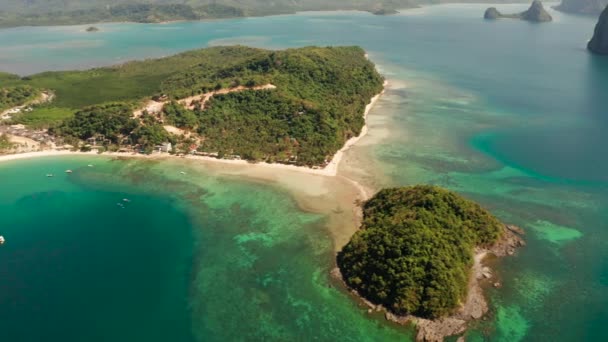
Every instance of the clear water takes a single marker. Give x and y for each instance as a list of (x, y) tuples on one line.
[(509, 113)]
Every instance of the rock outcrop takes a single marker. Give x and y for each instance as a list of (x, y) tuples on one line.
[(588, 7), (536, 13), (492, 13), (599, 43)]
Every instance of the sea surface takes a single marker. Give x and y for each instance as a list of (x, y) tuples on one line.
[(508, 113)]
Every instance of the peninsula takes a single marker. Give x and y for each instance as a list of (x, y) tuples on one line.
[(59, 12), (296, 106), (599, 43), (418, 256), (536, 13)]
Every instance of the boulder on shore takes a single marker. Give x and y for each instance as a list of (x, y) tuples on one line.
[(599, 43)]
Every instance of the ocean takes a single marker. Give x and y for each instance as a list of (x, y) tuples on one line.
[(508, 113)]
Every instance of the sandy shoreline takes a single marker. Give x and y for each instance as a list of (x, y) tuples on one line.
[(330, 170)]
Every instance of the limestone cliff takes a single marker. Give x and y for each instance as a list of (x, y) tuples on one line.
[(536, 13), (599, 43)]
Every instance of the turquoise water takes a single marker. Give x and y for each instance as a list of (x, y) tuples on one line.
[(187, 258), (511, 114)]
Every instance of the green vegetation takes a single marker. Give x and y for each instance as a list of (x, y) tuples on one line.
[(61, 12), (41, 116), (113, 125), (318, 102), (413, 253), (16, 96), (5, 143), (111, 121)]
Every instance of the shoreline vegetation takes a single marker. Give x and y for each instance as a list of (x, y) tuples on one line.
[(330, 170), (419, 258)]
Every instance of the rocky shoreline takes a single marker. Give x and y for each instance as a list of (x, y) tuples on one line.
[(475, 306)]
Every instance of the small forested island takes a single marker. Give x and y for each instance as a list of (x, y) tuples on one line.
[(587, 7), (418, 257), (92, 29), (384, 11), (599, 43), (296, 106), (536, 13)]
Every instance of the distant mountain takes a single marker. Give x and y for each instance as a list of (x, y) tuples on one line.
[(590, 7), (252, 6), (62, 12), (599, 43)]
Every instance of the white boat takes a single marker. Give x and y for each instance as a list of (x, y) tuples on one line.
[(183, 173), (126, 200), (2, 240), (68, 171), (90, 165), (49, 175)]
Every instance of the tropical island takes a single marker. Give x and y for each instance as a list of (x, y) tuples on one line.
[(536, 13), (296, 106), (418, 256), (599, 42)]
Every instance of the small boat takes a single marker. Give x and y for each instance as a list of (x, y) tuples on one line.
[(2, 240), (49, 175), (120, 205), (183, 173), (126, 200), (68, 171), (90, 165)]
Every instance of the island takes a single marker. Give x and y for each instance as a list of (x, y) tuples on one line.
[(296, 106), (384, 11), (536, 13), (586, 7), (418, 256), (92, 29), (599, 43)]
